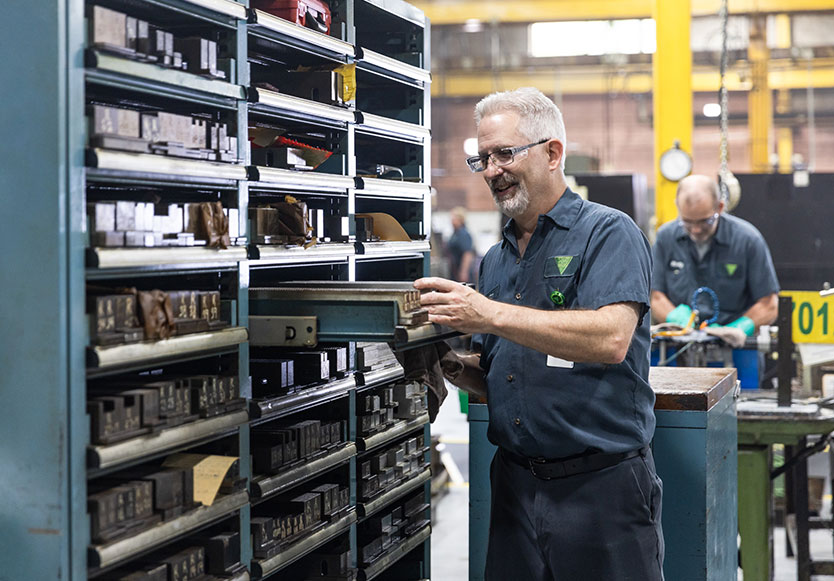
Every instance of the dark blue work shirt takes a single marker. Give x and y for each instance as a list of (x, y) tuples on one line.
[(582, 255), (737, 267)]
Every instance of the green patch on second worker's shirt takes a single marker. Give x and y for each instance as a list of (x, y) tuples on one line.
[(731, 268), (561, 266)]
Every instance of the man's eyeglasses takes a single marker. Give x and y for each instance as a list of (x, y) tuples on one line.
[(501, 157), (705, 223)]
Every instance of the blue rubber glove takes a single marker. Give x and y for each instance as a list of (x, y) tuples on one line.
[(680, 315), (745, 324)]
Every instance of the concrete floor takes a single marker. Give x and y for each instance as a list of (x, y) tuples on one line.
[(450, 531)]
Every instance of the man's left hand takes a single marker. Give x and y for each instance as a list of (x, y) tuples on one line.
[(454, 304)]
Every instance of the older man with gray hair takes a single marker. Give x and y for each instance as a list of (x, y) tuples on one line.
[(560, 320)]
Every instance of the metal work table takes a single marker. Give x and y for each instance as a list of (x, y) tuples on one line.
[(760, 425)]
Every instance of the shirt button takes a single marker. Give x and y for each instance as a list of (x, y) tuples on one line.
[(518, 296), (509, 377), (517, 422), (517, 260)]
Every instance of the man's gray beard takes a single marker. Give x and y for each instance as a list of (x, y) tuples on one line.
[(517, 205)]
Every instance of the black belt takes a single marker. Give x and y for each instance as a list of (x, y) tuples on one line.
[(550, 469)]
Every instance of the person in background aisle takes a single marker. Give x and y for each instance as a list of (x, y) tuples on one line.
[(561, 322), (461, 251), (706, 247)]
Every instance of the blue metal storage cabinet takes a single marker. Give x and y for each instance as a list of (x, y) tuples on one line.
[(695, 449)]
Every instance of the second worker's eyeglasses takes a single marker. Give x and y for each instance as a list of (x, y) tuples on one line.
[(500, 157), (705, 223)]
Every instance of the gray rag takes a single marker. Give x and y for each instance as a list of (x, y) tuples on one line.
[(429, 365)]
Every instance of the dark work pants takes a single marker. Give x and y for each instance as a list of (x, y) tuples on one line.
[(602, 525)]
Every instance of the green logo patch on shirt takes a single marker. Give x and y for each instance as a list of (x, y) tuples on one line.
[(731, 268), (561, 265)]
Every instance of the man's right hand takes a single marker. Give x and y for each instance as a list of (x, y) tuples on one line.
[(680, 315)]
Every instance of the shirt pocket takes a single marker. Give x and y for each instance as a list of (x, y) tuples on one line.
[(559, 282), (730, 270)]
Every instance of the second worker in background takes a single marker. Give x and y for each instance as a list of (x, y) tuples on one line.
[(705, 247), (561, 322)]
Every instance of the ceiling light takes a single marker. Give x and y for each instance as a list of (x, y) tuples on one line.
[(712, 110), (473, 25)]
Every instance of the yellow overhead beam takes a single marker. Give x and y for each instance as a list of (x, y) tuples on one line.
[(672, 91), (759, 100), (459, 11), (636, 80)]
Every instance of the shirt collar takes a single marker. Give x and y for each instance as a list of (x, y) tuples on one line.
[(563, 213)]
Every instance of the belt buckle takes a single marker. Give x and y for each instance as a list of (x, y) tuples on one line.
[(533, 462)]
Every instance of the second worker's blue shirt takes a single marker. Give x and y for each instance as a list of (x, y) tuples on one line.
[(737, 267), (584, 256)]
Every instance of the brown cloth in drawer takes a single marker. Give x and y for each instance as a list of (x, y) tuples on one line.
[(213, 225), (156, 314)]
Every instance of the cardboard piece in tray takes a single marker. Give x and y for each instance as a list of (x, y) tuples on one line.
[(209, 472)]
